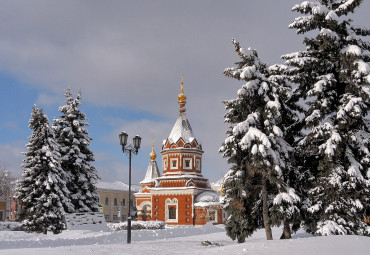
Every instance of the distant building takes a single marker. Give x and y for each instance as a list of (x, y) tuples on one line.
[(113, 197), (182, 196), (3, 204)]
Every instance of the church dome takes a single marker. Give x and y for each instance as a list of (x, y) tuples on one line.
[(181, 129)]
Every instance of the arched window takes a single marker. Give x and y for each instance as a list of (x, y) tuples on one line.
[(115, 202), (123, 202), (107, 201), (172, 213)]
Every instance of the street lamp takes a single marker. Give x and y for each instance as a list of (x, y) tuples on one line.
[(129, 149)]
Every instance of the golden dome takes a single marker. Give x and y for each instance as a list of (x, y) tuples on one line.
[(181, 96), (152, 154)]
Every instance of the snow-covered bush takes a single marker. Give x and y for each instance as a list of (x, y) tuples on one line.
[(135, 225), (10, 225)]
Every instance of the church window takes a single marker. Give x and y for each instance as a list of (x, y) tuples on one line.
[(115, 202), (187, 163), (107, 201), (212, 216), (173, 163), (172, 213), (197, 164)]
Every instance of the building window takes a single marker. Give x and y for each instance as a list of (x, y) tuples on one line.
[(123, 218), (187, 162), (187, 206), (187, 220), (106, 217), (212, 216), (164, 163), (172, 213), (156, 213), (187, 213), (123, 202), (156, 206), (115, 218), (173, 163), (197, 164), (107, 201), (115, 202), (156, 199), (187, 199)]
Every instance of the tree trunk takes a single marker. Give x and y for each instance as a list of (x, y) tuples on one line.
[(286, 231), (265, 209)]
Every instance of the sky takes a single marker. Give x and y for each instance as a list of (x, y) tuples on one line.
[(127, 58)]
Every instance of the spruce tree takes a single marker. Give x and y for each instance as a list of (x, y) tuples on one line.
[(257, 149), (76, 157), (333, 80), (42, 189)]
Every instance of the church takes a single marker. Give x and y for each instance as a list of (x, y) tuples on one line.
[(181, 196)]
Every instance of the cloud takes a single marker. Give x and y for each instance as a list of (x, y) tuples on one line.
[(111, 169), (45, 99), (11, 157), (130, 55)]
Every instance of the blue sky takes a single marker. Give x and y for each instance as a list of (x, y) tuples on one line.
[(127, 57)]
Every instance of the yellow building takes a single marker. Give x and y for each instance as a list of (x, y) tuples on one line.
[(3, 205), (113, 197)]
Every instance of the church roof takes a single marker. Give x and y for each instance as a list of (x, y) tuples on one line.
[(151, 173), (117, 186), (181, 129)]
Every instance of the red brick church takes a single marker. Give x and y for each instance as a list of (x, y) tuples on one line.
[(181, 196)]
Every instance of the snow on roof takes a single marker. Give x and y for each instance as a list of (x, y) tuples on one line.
[(207, 198), (181, 129), (119, 186), (152, 172)]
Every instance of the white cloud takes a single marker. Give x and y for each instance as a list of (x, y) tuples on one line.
[(45, 99), (11, 156)]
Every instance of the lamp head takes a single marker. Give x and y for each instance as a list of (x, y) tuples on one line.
[(137, 141), (123, 139)]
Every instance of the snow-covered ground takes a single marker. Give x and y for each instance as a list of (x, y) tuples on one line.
[(177, 240)]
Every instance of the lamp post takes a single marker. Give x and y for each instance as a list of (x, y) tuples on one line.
[(129, 150)]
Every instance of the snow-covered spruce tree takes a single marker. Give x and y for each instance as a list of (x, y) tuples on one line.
[(76, 157), (256, 148), (333, 78), (42, 189)]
